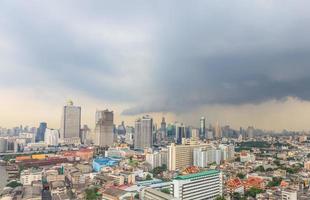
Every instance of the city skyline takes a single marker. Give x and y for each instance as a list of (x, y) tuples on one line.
[(249, 67)]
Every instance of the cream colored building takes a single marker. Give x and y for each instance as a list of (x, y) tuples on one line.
[(181, 156)]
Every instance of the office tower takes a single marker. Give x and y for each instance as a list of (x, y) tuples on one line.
[(41, 132), (104, 130), (250, 132), (121, 129), (70, 124), (143, 133), (51, 137), (199, 186), (181, 156), (163, 129), (218, 131), (195, 133), (3, 145), (85, 134), (179, 132), (202, 127)]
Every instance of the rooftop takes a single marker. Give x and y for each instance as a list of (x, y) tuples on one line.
[(197, 175)]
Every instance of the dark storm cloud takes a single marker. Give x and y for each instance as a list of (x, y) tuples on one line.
[(163, 56)]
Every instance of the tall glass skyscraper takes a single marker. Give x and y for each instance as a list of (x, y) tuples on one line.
[(41, 132)]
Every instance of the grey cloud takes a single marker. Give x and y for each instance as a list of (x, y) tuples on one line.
[(178, 55)]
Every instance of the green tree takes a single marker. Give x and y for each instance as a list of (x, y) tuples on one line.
[(148, 177), (276, 181), (14, 184), (219, 198), (91, 193), (165, 190), (260, 169), (252, 192), (241, 175)]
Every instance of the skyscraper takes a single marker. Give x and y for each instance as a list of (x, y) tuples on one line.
[(41, 132), (179, 132), (70, 124), (104, 128), (163, 128), (143, 133), (218, 131), (202, 127)]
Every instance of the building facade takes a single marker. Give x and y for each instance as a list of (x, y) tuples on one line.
[(143, 133), (199, 186), (104, 128), (70, 124)]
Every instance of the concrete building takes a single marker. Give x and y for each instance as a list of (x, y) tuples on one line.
[(70, 124), (28, 176), (179, 132), (157, 159), (289, 194), (143, 133), (181, 156), (152, 194), (104, 128), (199, 186), (3, 145), (41, 132), (51, 137), (202, 131)]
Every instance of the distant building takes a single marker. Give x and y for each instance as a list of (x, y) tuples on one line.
[(179, 132), (163, 129), (198, 186), (51, 137), (41, 132), (218, 131), (70, 124), (104, 128), (3, 145), (143, 133), (202, 130)]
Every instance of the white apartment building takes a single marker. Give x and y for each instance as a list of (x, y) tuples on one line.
[(199, 186), (157, 159), (27, 176), (289, 195)]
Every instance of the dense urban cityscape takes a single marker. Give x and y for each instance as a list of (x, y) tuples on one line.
[(165, 161), (154, 100)]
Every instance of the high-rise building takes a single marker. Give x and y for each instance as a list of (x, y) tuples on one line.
[(85, 135), (157, 159), (70, 124), (104, 130), (199, 186), (143, 133), (163, 129), (179, 132), (217, 131), (41, 132), (51, 137), (181, 156), (202, 127)]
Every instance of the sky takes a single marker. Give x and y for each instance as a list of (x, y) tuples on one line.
[(242, 63)]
